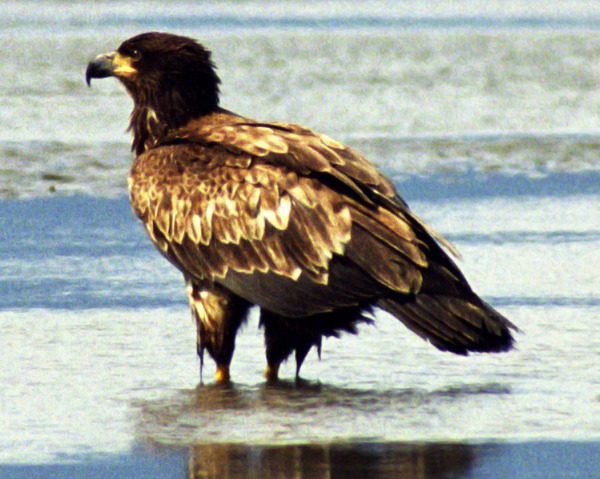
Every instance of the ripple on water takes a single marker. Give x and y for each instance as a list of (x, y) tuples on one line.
[(291, 413)]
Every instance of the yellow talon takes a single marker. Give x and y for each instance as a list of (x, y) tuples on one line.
[(272, 373), (222, 375)]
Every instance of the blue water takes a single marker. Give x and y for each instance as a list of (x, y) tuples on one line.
[(90, 309), (295, 15), (487, 117), (79, 233), (535, 460)]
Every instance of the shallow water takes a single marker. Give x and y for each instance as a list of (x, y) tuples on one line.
[(489, 126), (416, 99), (99, 339), (532, 460)]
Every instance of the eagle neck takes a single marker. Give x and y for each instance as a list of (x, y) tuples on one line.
[(151, 121)]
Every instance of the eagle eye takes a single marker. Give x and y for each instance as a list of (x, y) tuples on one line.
[(135, 54)]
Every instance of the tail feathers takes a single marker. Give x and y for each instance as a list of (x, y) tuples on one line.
[(451, 323)]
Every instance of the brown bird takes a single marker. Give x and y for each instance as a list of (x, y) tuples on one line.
[(279, 216)]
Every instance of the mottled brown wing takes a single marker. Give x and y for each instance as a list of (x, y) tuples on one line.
[(249, 217), (290, 146), (214, 211), (299, 224), (305, 152)]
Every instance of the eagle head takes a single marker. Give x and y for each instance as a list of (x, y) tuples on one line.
[(171, 79)]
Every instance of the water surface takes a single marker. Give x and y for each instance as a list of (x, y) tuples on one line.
[(486, 116)]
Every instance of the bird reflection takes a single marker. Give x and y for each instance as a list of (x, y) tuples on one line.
[(312, 431), (331, 461), (286, 413)]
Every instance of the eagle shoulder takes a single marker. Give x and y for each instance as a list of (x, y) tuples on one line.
[(210, 210)]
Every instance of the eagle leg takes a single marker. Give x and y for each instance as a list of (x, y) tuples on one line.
[(278, 342), (199, 347), (282, 337), (218, 314), (301, 352)]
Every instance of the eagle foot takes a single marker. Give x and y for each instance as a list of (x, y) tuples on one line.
[(222, 375), (272, 373)]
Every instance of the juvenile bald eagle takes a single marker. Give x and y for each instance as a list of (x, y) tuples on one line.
[(279, 216)]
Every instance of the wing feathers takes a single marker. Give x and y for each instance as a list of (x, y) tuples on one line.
[(383, 263), (452, 324), (393, 231), (221, 207), (300, 224)]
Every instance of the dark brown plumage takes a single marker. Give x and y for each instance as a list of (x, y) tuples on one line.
[(277, 215)]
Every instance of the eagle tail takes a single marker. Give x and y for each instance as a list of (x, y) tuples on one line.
[(453, 324)]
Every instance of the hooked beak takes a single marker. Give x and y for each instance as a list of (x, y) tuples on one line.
[(107, 65)]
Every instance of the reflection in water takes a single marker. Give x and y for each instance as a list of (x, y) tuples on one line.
[(352, 460), (299, 397), (311, 413), (308, 431)]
